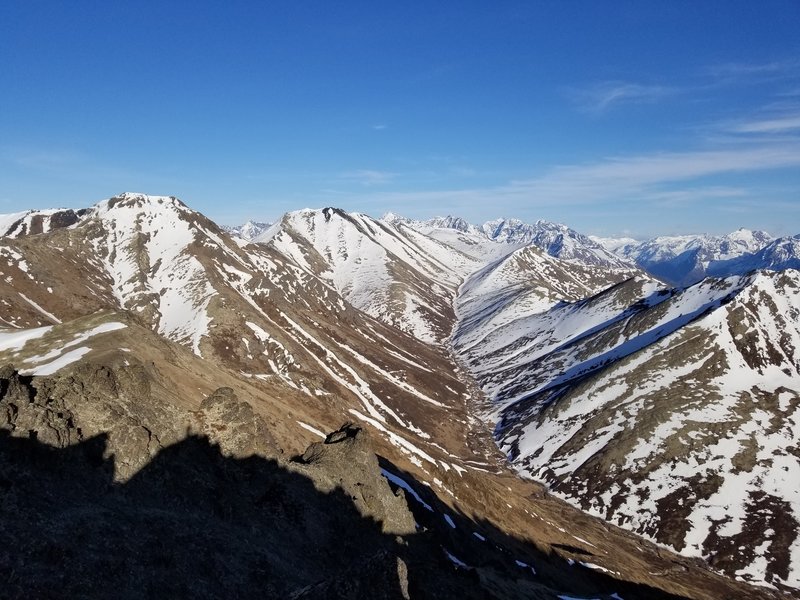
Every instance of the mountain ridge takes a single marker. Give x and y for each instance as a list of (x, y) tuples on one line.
[(284, 322)]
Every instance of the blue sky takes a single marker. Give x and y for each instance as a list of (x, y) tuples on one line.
[(636, 118)]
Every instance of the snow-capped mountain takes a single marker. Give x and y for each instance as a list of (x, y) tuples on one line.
[(780, 254), (556, 240), (596, 377), (684, 260), (247, 306), (448, 222), (614, 244), (250, 230)]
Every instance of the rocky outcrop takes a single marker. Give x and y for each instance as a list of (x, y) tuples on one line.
[(62, 410), (345, 460), (234, 425)]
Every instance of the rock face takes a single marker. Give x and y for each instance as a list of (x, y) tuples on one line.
[(233, 424), (64, 410), (345, 460), (33, 222), (191, 523), (120, 499)]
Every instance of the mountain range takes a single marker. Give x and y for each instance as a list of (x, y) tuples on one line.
[(551, 419)]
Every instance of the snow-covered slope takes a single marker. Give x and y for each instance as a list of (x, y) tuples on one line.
[(683, 260), (391, 272), (671, 413), (505, 312)]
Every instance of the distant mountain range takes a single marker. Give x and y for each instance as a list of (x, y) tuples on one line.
[(677, 260)]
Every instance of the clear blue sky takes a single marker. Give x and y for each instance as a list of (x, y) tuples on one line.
[(613, 117)]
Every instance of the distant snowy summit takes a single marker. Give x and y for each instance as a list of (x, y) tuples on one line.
[(779, 255), (687, 259), (250, 230)]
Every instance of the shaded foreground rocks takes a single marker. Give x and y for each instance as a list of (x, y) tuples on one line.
[(108, 490), (197, 518)]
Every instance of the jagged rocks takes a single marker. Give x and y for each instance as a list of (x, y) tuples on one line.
[(62, 410), (345, 460), (234, 425)]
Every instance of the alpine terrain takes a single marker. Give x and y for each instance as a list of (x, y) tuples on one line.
[(337, 406)]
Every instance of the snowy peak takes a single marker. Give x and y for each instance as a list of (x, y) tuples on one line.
[(743, 240), (780, 254), (428, 226), (615, 244), (250, 230), (783, 253), (557, 240), (450, 222)]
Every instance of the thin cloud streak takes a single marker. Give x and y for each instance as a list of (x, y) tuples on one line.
[(748, 73), (603, 96), (775, 125), (641, 179)]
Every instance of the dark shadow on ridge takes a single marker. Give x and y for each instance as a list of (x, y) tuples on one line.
[(192, 523), (195, 523)]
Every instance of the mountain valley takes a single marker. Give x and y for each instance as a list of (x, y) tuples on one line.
[(550, 419)]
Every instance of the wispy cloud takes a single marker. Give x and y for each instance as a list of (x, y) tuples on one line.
[(602, 96), (748, 73), (659, 179), (605, 95), (368, 177), (776, 124), (380, 127)]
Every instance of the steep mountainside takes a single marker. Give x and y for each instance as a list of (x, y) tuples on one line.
[(670, 413), (393, 273)]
